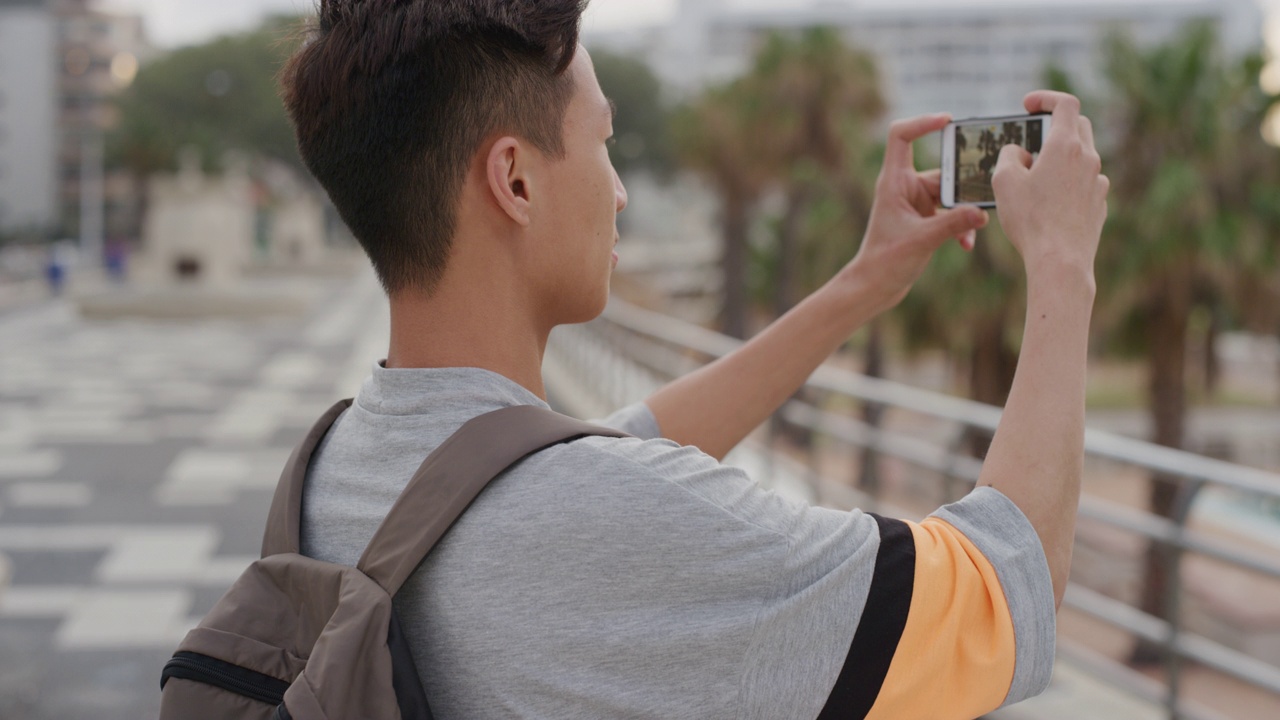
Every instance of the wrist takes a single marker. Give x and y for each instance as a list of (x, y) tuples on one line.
[(862, 290), (1063, 275), (1062, 289)]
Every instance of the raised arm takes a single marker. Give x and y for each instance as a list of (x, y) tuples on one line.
[(716, 407), (1053, 213)]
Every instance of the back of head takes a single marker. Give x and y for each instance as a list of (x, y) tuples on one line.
[(391, 100)]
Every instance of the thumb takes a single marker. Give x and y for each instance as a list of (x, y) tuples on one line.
[(1014, 161), (955, 222)]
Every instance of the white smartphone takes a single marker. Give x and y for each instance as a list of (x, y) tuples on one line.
[(970, 149)]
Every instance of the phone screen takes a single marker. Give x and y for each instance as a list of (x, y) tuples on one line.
[(978, 145)]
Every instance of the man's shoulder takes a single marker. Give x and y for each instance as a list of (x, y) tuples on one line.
[(668, 478), (659, 459)]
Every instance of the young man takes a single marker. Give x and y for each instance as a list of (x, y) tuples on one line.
[(464, 142)]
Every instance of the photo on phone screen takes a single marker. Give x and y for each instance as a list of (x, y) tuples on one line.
[(977, 149)]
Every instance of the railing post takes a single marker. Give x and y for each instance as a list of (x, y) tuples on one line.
[(1174, 551), (953, 487)]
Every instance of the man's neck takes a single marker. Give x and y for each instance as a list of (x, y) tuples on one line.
[(460, 326)]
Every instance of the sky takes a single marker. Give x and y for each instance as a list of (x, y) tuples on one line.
[(171, 23)]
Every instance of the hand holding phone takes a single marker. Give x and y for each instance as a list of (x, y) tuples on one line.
[(1053, 210), (971, 149)]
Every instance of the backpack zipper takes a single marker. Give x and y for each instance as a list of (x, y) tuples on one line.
[(211, 671)]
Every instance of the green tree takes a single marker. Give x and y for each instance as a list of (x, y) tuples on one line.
[(825, 102), (1191, 222), (798, 124), (218, 96), (641, 128), (719, 136)]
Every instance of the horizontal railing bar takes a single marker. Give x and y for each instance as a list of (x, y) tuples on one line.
[(1163, 529), (856, 432), (932, 457), (1189, 646), (1177, 463), (1125, 678)]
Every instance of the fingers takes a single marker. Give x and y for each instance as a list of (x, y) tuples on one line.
[(904, 132), (1086, 137), (956, 223), (931, 181), (1062, 105), (1086, 131), (1013, 156), (1014, 162)]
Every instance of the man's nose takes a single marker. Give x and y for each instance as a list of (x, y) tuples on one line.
[(620, 191)]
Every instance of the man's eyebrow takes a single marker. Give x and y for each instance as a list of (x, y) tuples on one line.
[(613, 109)]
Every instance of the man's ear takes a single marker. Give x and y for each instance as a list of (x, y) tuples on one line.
[(507, 170)]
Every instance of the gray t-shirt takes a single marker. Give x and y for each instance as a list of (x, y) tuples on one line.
[(631, 577)]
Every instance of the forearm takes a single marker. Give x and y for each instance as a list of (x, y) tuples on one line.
[(1036, 458), (716, 407)]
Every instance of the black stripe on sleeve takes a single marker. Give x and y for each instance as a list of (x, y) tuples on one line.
[(881, 625)]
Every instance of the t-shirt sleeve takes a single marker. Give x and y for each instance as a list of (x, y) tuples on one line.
[(636, 420), (959, 618)]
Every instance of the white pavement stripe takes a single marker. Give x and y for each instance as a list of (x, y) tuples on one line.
[(125, 619), (38, 601), (30, 464), (200, 476), (149, 556), (13, 436), (291, 370), (252, 417), (83, 537), (50, 494)]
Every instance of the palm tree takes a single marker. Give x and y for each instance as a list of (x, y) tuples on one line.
[(1185, 228), (720, 136), (825, 102)]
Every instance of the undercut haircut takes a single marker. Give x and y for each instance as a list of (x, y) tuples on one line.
[(392, 99)]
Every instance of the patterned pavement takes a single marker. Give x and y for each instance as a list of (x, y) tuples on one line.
[(137, 461)]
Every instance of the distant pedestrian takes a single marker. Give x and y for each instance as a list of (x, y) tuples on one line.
[(55, 272), (115, 258)]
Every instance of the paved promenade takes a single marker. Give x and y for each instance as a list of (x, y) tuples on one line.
[(137, 461)]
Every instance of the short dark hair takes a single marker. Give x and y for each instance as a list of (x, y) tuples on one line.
[(391, 100)]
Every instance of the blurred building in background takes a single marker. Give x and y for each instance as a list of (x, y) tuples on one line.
[(98, 56), (976, 58), (61, 63), (28, 117)]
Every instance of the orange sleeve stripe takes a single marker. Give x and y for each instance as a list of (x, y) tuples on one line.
[(956, 656)]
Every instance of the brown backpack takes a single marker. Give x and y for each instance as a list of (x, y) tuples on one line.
[(301, 639)]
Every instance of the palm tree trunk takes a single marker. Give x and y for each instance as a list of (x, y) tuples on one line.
[(789, 248), (734, 265), (991, 362), (1212, 368), (1167, 360), (872, 413), (991, 368)]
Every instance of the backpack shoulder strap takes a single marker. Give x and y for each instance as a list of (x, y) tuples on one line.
[(284, 519), (453, 476)]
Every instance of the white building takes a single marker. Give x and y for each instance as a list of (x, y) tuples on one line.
[(970, 58), (199, 229), (29, 132)]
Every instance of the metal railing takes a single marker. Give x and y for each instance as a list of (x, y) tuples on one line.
[(629, 352)]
